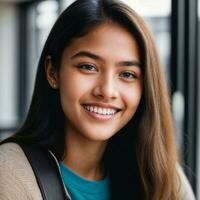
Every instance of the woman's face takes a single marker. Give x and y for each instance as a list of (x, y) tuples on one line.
[(100, 82)]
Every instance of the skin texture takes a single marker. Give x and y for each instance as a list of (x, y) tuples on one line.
[(107, 75)]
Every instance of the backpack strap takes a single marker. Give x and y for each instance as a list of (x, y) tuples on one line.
[(46, 172)]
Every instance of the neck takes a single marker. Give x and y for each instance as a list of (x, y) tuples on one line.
[(84, 156)]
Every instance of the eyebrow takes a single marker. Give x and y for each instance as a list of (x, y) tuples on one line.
[(96, 57)]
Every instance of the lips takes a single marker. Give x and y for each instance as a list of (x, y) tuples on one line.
[(101, 111)]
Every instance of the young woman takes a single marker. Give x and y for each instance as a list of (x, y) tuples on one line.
[(100, 105)]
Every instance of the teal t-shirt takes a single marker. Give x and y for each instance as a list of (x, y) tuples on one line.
[(80, 188)]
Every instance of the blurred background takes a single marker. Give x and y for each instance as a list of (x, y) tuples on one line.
[(25, 24)]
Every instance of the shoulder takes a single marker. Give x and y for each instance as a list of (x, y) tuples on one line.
[(9, 153), (186, 192), (17, 180), (13, 157)]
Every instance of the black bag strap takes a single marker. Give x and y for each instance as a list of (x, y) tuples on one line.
[(46, 172)]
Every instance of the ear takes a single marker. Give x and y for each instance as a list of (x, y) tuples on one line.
[(51, 73)]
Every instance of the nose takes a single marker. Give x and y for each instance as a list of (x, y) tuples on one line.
[(106, 88)]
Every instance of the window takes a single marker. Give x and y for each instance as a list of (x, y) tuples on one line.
[(8, 69)]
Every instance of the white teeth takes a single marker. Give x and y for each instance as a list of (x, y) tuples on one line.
[(95, 109), (101, 111)]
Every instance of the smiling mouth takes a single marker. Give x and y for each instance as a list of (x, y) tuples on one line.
[(100, 112)]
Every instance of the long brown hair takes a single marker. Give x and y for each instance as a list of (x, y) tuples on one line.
[(155, 145), (141, 158), (156, 150)]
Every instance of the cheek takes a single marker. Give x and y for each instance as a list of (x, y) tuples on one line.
[(131, 96), (72, 88)]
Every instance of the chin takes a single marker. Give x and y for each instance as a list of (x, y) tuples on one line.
[(100, 136)]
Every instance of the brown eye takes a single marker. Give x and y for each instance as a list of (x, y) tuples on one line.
[(87, 67), (128, 75)]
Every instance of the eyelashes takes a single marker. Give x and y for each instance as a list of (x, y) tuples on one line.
[(87, 67), (126, 74)]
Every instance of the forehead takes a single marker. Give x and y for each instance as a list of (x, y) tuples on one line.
[(106, 39)]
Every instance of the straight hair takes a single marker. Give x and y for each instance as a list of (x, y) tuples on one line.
[(141, 158)]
